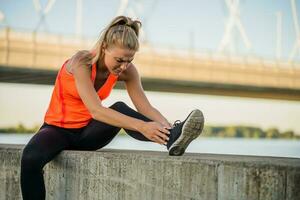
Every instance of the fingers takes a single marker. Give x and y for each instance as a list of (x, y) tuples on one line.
[(164, 130), (162, 135), (159, 140), (158, 133), (167, 125)]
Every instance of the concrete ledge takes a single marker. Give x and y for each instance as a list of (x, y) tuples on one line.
[(135, 175)]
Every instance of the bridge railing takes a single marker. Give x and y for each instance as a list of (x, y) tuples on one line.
[(49, 51)]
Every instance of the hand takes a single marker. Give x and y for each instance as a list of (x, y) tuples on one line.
[(167, 125), (155, 132)]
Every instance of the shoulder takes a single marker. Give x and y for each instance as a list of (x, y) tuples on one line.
[(77, 60)]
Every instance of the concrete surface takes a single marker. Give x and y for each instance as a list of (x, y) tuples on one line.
[(138, 175)]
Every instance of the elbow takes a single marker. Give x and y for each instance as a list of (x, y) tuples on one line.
[(96, 112), (93, 114)]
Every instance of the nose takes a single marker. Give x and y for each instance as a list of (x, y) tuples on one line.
[(124, 65)]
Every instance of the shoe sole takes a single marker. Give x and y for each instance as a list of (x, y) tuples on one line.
[(191, 129)]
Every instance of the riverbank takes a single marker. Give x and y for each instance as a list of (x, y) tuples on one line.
[(209, 131), (237, 146)]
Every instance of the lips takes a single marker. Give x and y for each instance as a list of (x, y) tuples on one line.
[(117, 72)]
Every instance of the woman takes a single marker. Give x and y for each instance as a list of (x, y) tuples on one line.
[(76, 119)]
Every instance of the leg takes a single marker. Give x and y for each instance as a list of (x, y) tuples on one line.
[(42, 148), (97, 134), (126, 110)]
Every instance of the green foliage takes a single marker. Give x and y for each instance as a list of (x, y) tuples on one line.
[(209, 131), (247, 132), (20, 128)]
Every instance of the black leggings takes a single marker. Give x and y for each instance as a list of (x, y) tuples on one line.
[(51, 140)]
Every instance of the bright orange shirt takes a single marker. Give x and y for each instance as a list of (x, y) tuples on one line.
[(66, 108)]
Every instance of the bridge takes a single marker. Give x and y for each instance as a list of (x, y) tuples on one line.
[(30, 57)]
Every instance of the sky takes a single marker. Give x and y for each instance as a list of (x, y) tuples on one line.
[(197, 24)]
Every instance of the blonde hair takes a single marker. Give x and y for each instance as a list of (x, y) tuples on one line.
[(122, 32)]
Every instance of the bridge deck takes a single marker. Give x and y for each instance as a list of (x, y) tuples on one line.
[(35, 58)]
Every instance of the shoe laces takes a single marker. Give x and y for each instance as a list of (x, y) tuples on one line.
[(176, 123)]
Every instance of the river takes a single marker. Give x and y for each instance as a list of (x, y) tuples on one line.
[(237, 146)]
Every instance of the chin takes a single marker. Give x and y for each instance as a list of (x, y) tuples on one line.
[(116, 73)]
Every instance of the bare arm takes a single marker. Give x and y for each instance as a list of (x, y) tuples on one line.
[(85, 88), (90, 98), (139, 99)]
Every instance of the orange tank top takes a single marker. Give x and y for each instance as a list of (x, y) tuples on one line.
[(66, 109)]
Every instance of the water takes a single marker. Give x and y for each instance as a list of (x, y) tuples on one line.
[(237, 146), (27, 104)]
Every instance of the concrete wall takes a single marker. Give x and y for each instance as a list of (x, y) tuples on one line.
[(135, 175)]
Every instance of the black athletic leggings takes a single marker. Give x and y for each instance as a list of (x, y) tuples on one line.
[(51, 140)]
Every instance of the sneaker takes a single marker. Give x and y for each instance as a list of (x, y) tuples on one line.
[(182, 133)]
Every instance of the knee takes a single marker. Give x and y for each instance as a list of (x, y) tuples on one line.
[(119, 105), (32, 158)]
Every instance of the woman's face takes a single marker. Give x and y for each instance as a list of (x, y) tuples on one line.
[(117, 59)]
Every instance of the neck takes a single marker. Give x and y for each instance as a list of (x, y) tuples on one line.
[(101, 67)]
